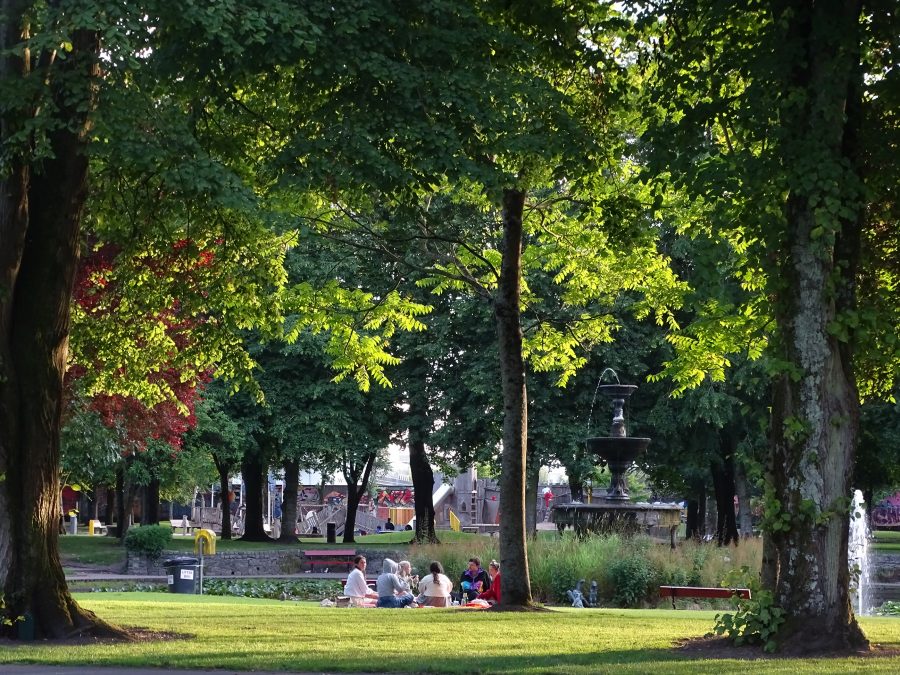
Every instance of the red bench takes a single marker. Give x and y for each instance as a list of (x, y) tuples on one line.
[(700, 592), (329, 557)]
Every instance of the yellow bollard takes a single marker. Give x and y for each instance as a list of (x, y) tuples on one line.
[(209, 542), (93, 524)]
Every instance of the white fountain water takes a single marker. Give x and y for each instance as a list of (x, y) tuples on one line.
[(858, 555), (594, 400)]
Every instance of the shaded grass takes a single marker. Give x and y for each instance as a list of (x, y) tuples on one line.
[(244, 634), (108, 552), (390, 539), (87, 550)]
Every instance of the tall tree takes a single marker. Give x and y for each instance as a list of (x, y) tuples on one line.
[(223, 437), (778, 128), (43, 133), (152, 121)]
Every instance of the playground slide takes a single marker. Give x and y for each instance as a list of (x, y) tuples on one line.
[(441, 494)]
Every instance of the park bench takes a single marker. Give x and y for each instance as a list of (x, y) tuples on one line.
[(96, 527), (701, 592), (329, 557), (482, 528), (183, 524)]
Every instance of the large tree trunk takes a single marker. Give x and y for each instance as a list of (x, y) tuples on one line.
[(513, 545), (224, 469), (40, 217), (289, 502), (356, 488), (121, 516), (423, 485), (815, 411), (723, 487), (422, 475), (696, 515), (109, 512), (692, 528), (742, 490), (253, 472), (576, 486), (150, 508), (126, 491), (532, 475)]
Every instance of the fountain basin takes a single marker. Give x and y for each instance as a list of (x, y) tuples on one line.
[(617, 450), (619, 453), (617, 390), (626, 518)]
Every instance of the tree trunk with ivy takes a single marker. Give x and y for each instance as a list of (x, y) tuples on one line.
[(815, 411)]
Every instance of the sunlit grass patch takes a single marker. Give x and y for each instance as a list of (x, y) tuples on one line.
[(245, 634)]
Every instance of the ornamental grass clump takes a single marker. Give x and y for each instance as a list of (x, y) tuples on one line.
[(628, 570), (695, 563), (453, 557), (557, 564)]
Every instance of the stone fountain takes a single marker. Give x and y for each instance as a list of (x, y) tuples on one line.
[(616, 512)]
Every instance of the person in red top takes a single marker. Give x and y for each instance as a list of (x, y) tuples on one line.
[(492, 595)]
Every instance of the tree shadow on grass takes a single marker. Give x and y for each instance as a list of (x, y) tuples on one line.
[(675, 661)]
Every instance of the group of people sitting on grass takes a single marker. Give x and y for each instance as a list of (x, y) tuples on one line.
[(396, 583)]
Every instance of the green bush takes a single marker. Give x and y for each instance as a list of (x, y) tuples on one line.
[(274, 589), (117, 587), (149, 540), (631, 578), (755, 621)]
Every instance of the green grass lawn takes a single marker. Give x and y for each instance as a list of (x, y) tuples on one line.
[(886, 541), (106, 551), (245, 634), (86, 550)]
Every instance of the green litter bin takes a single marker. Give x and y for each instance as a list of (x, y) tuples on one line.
[(183, 574)]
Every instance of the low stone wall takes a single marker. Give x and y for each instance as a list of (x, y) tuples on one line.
[(885, 567), (250, 563)]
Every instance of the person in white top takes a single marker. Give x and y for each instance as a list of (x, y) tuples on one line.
[(356, 588), (434, 588)]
